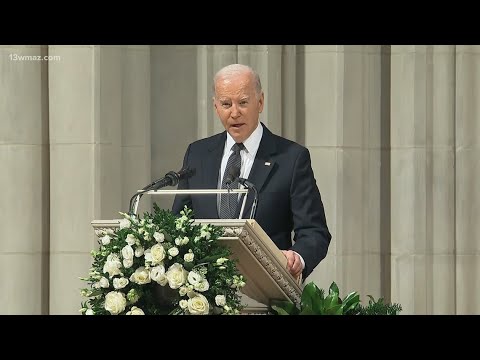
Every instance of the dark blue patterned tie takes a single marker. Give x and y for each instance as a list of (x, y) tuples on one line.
[(228, 202)]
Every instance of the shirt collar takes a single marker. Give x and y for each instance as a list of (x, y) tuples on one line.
[(251, 144)]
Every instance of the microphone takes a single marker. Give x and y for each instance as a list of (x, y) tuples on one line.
[(170, 179), (232, 175), (249, 185)]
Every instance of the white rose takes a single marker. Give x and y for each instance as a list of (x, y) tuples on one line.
[(220, 300), (176, 276), (157, 272), (103, 282), (115, 302), (89, 312), (188, 257), (158, 236), (141, 276), (139, 251), (158, 254), (106, 240), (202, 286), (127, 263), (135, 311), (194, 278), (113, 257), (198, 305), (112, 265), (131, 239), (120, 283), (162, 280), (173, 251), (127, 252), (124, 223), (178, 241), (183, 304), (183, 290), (185, 240)]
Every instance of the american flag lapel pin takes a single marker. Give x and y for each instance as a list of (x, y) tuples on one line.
[(267, 163)]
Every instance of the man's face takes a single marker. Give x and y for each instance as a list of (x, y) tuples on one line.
[(237, 106)]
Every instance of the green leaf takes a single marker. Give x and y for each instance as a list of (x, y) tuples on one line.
[(211, 258), (350, 301), (334, 289), (286, 307), (332, 300), (307, 311), (334, 310), (309, 295), (279, 310), (188, 266)]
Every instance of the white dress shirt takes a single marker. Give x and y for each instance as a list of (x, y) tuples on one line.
[(247, 154)]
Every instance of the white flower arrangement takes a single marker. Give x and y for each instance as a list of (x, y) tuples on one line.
[(162, 264)]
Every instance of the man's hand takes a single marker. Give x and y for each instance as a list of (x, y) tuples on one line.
[(294, 264)]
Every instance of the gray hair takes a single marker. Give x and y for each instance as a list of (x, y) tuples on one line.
[(235, 69)]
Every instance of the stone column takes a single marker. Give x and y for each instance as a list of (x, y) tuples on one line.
[(422, 179), (136, 135), (174, 109), (340, 110), (467, 173), (24, 180), (99, 153)]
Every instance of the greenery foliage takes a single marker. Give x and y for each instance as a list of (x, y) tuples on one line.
[(162, 264), (314, 302)]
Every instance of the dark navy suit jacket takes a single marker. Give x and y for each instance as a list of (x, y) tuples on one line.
[(288, 196)]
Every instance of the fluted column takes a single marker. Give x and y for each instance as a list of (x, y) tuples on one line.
[(136, 129), (341, 87), (422, 180), (99, 153), (175, 109), (467, 173), (24, 180)]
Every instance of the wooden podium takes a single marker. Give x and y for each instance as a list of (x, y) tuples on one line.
[(259, 260)]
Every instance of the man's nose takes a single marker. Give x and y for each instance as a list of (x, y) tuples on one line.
[(235, 111)]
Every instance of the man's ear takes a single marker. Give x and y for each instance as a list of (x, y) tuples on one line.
[(261, 102)]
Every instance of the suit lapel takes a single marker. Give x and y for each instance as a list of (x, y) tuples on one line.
[(211, 164), (262, 166)]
